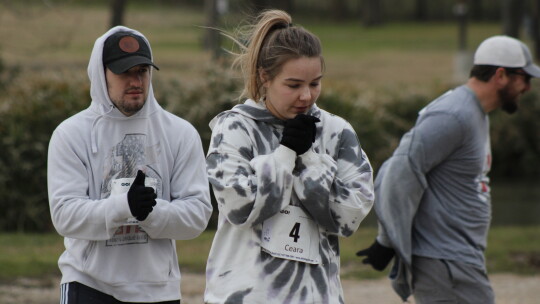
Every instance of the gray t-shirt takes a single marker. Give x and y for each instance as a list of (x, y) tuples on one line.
[(454, 214), (432, 195)]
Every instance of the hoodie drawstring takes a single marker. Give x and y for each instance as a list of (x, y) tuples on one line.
[(93, 133)]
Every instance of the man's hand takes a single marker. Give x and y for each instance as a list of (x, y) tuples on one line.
[(377, 255), (141, 199), (299, 133)]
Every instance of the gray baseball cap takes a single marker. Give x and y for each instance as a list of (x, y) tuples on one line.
[(507, 52)]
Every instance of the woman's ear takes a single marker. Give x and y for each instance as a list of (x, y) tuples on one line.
[(263, 77)]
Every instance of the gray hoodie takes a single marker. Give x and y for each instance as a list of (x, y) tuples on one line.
[(98, 148)]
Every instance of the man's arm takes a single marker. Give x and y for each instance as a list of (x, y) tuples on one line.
[(402, 180), (187, 214), (74, 214)]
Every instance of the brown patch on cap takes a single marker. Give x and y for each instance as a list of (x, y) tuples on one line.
[(128, 44)]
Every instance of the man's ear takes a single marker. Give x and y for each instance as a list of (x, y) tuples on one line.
[(500, 77)]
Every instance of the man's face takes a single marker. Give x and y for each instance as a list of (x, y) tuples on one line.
[(129, 90), (509, 96)]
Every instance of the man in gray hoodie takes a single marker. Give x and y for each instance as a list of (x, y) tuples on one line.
[(433, 197), (126, 179)]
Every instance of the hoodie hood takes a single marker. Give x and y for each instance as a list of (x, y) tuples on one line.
[(101, 104), (258, 111)]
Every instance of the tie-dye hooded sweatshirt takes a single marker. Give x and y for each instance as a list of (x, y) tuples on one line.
[(254, 177)]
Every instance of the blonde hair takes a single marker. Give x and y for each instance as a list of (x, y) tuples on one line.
[(270, 42)]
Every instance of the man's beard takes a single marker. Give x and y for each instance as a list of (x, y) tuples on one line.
[(509, 101)]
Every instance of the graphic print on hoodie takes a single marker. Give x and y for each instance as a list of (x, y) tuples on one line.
[(253, 178), (123, 162)]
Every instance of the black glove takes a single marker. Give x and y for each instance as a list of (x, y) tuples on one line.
[(141, 199), (377, 255), (299, 133)]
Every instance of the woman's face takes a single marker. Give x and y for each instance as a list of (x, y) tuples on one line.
[(295, 89)]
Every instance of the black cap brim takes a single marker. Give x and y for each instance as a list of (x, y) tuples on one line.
[(122, 65)]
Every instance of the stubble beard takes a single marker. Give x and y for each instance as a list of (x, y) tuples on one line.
[(509, 101), (129, 107)]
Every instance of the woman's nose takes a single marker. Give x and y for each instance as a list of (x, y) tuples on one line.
[(305, 94)]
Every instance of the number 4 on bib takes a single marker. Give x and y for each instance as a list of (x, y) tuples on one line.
[(282, 237), (295, 232)]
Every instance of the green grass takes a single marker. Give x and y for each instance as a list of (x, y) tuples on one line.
[(29, 255), (59, 38), (510, 250)]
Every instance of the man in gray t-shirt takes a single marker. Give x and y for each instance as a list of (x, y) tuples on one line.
[(432, 196)]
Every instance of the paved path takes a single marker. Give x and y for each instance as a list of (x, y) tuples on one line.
[(509, 289)]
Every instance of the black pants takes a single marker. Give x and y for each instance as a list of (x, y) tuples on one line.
[(77, 293)]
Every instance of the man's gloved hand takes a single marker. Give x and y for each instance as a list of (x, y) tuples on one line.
[(141, 199), (299, 133), (377, 255)]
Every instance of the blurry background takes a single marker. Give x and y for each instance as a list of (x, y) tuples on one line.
[(385, 60)]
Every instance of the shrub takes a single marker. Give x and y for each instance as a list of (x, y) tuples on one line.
[(515, 140), (379, 118), (30, 109), (29, 113)]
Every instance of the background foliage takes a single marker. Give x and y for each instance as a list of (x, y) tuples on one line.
[(376, 77), (32, 107)]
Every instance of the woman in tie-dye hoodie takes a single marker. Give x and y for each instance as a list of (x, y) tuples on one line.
[(289, 177)]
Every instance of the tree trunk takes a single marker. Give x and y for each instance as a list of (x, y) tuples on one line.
[(257, 6), (212, 41), (420, 10), (260, 5), (461, 12), (476, 10), (512, 13), (535, 28), (371, 12), (286, 5), (339, 9), (117, 12)]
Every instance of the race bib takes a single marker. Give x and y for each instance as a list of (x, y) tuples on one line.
[(122, 185), (292, 234)]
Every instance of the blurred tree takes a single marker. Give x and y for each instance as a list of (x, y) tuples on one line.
[(512, 16), (476, 9), (461, 12), (260, 5), (420, 10), (535, 28), (212, 40), (118, 8), (371, 12), (286, 5), (340, 9)]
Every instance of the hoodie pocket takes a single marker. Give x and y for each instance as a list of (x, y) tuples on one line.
[(150, 262), (87, 253)]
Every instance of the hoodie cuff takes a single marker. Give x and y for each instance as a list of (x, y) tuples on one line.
[(382, 236), (310, 157), (119, 208), (285, 156)]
